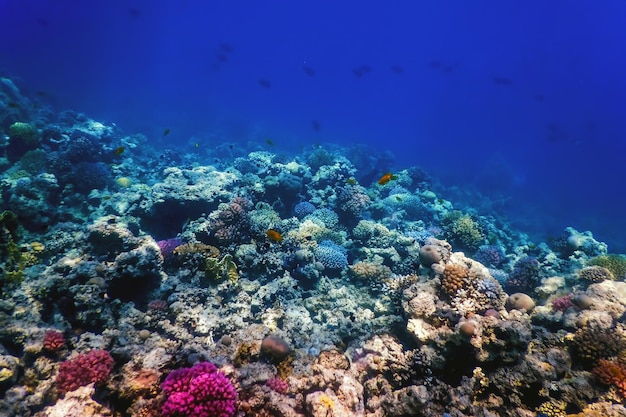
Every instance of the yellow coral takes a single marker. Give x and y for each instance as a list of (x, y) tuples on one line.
[(552, 408), (190, 249), (326, 401), (124, 182)]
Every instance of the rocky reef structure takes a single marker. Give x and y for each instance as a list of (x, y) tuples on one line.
[(144, 282)]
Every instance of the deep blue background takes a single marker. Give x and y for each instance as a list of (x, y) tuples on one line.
[(523, 100)]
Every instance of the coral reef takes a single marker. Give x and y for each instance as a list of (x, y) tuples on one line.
[(311, 288)]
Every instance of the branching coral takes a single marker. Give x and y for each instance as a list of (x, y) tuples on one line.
[(462, 230), (201, 390), (91, 367), (611, 373)]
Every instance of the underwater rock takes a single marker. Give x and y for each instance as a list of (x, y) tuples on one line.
[(77, 403)]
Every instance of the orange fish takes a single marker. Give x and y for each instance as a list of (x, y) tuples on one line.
[(386, 178), (274, 235), (119, 151)]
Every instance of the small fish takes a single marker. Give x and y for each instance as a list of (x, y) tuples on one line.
[(316, 125), (264, 82), (222, 57), (308, 71), (269, 141), (351, 181), (226, 47), (502, 81), (357, 72), (119, 150), (13, 105), (435, 64), (166, 132), (386, 178), (397, 69), (134, 13), (274, 235), (196, 144)]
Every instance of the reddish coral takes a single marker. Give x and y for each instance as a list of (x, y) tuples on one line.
[(158, 305), (53, 340), (611, 373), (92, 367), (562, 303)]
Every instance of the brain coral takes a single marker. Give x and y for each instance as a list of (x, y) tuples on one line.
[(370, 272), (614, 263), (595, 274)]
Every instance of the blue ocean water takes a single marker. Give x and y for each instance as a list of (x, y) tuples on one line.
[(518, 106)]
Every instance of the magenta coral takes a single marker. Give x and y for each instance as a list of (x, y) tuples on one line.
[(91, 367), (199, 391)]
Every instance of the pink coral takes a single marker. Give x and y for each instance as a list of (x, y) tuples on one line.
[(277, 384), (91, 367), (200, 391), (562, 303)]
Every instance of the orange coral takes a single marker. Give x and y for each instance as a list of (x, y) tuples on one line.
[(611, 373), (454, 278)]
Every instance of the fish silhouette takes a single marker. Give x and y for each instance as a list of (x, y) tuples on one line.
[(502, 81), (264, 82), (308, 71)]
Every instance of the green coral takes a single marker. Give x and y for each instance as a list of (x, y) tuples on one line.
[(614, 263), (14, 258), (462, 230), (220, 269), (25, 133)]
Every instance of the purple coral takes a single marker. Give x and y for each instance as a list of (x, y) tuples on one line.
[(525, 275), (199, 391), (167, 247), (490, 255)]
